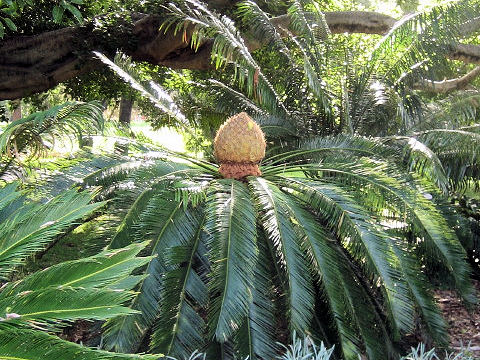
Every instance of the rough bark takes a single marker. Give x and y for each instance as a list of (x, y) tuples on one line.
[(31, 64)]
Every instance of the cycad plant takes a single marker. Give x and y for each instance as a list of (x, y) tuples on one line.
[(35, 308), (35, 134), (334, 235), (332, 247)]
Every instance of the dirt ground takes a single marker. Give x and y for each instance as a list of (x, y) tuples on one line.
[(464, 325)]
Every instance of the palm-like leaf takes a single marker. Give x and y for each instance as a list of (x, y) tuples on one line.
[(281, 232), (256, 337), (152, 91), (32, 133), (30, 227), (233, 254), (86, 288), (35, 345), (106, 269), (93, 288), (180, 329)]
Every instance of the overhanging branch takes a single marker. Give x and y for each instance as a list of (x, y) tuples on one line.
[(31, 64), (450, 84)]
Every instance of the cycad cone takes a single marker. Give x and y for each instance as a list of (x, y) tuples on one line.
[(239, 147)]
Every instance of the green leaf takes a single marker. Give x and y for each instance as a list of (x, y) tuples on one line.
[(58, 14), (98, 271), (127, 230), (180, 328), (10, 24), (36, 345), (256, 338), (231, 224), (276, 221), (74, 11), (371, 247), (356, 319), (164, 220), (65, 304), (71, 118), (33, 226)]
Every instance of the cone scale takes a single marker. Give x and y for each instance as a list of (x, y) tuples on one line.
[(239, 147)]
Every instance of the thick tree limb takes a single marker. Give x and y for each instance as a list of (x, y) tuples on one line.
[(451, 84), (467, 53), (31, 64)]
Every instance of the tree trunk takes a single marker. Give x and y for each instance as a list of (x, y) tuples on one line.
[(32, 64), (125, 115)]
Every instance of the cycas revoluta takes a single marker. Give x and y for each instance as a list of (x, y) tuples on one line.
[(35, 307), (333, 245), (36, 133), (335, 239)]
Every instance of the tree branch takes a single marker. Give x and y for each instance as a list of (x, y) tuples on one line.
[(467, 53), (31, 64), (449, 85)]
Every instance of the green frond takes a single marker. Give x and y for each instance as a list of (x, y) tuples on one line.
[(455, 111), (275, 218), (357, 315), (66, 303), (421, 159), (161, 220), (159, 97), (36, 132), (328, 265), (180, 328), (310, 24), (315, 149), (10, 200), (228, 47), (190, 191), (370, 104), (415, 47), (139, 171), (127, 231), (371, 328), (35, 345), (99, 271), (459, 153), (256, 338), (312, 32), (231, 101), (415, 52), (276, 127), (31, 227), (385, 186), (71, 176), (364, 239), (419, 286), (233, 252), (260, 27)]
